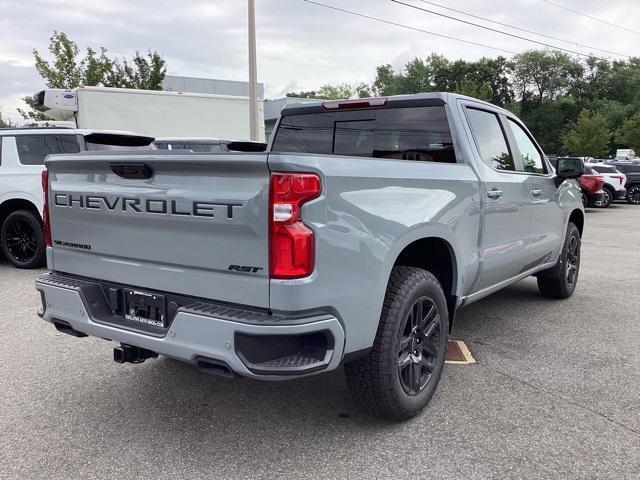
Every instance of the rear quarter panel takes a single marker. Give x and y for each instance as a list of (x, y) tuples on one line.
[(369, 211)]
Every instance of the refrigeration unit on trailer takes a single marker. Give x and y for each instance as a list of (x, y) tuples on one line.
[(151, 112)]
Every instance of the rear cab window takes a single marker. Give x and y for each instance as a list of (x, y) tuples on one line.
[(403, 133), (33, 149)]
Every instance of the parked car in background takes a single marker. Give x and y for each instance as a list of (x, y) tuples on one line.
[(22, 154), (206, 144), (614, 183), (591, 184), (632, 171)]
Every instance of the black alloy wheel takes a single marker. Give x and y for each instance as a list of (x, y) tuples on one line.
[(607, 197), (419, 346), (22, 239), (633, 195), (560, 280), (573, 259), (398, 377)]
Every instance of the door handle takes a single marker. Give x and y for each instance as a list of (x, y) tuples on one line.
[(536, 192), (495, 194)]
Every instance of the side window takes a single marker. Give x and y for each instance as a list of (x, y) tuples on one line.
[(490, 139), (32, 149), (531, 158)]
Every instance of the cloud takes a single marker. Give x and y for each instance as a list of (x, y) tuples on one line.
[(299, 44)]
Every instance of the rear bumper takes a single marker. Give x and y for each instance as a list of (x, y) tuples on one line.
[(621, 194), (250, 345), (596, 198)]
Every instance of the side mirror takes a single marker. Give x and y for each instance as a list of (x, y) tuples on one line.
[(569, 168)]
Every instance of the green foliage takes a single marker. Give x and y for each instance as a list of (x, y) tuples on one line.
[(5, 123), (540, 74), (547, 89), (629, 134), (470, 88), (589, 137), (335, 92), (68, 68)]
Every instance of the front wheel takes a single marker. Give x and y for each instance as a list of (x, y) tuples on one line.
[(22, 239), (397, 379), (633, 195), (560, 281)]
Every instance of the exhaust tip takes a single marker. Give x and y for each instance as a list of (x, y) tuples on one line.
[(214, 367)]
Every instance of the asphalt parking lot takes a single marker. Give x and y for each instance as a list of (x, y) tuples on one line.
[(555, 394)]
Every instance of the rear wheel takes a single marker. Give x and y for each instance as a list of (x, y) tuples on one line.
[(585, 199), (607, 197), (399, 376), (22, 239), (560, 281), (633, 195)]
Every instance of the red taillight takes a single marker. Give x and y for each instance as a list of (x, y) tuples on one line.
[(292, 245), (45, 208), (622, 178)]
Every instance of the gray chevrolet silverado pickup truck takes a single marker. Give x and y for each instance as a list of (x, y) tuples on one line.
[(353, 240)]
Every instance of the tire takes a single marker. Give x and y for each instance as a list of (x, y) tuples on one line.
[(608, 197), (633, 195), (560, 281), (22, 240), (397, 379), (585, 199)]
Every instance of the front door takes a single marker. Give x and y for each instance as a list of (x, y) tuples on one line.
[(547, 218), (503, 248)]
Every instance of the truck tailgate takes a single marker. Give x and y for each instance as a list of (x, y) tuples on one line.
[(198, 225)]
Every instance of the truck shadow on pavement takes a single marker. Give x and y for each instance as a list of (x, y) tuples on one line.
[(165, 391)]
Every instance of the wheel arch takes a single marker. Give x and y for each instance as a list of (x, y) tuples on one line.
[(11, 205), (577, 218), (436, 255)]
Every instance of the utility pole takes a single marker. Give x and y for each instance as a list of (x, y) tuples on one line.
[(253, 73)]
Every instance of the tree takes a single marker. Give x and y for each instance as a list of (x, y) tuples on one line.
[(481, 91), (589, 137), (541, 74), (629, 134), (334, 92), (5, 123), (69, 69)]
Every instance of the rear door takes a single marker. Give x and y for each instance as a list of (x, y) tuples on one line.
[(506, 196), (547, 216), (190, 224)]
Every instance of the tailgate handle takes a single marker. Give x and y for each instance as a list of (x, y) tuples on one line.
[(134, 171)]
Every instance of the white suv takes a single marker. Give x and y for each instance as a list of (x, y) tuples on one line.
[(614, 183), (22, 154)]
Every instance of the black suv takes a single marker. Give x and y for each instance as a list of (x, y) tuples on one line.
[(632, 171)]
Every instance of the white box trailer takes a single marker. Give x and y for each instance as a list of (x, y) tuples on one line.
[(150, 112)]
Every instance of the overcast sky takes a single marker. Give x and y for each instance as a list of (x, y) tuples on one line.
[(300, 45)]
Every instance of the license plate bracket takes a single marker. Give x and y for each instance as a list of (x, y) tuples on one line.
[(145, 307)]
